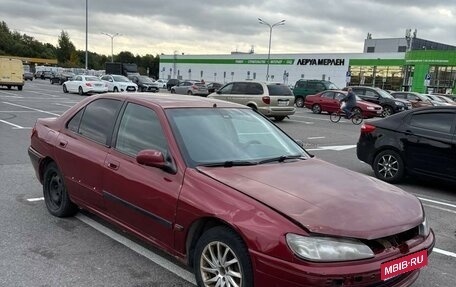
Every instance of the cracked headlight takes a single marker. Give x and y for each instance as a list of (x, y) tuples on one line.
[(328, 248)]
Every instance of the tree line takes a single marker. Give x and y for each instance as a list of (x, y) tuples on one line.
[(12, 43)]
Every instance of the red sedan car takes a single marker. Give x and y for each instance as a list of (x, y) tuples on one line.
[(224, 190), (329, 101)]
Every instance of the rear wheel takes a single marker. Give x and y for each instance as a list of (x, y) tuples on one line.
[(80, 91), (357, 118), (388, 166), (299, 102), (335, 117), (65, 89), (19, 88), (387, 111), (173, 91), (279, 118), (190, 93), (115, 90), (222, 259), (56, 198), (316, 109)]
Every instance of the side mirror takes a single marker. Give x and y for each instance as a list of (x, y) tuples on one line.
[(150, 157)]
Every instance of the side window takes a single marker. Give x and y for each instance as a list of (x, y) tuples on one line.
[(339, 96), (411, 97), (98, 119), (320, 87), (301, 84), (104, 78), (140, 129), (73, 124), (358, 91), (371, 94), (254, 89), (239, 88), (226, 89), (400, 96), (439, 122), (310, 85), (329, 95)]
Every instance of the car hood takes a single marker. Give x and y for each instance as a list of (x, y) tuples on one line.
[(324, 198)]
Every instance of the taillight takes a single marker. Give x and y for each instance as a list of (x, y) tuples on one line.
[(88, 84), (195, 87), (367, 128), (266, 100)]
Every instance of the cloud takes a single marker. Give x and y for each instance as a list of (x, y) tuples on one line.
[(219, 27)]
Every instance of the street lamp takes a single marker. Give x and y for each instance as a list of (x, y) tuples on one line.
[(270, 36), (112, 36)]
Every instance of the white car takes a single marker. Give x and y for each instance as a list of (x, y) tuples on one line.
[(119, 83), (82, 84), (161, 83)]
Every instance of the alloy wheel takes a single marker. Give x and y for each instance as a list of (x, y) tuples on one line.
[(388, 166)]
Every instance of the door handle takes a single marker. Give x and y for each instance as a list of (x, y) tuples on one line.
[(63, 143), (113, 165)]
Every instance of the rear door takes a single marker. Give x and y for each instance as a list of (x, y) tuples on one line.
[(429, 143), (143, 198), (328, 103)]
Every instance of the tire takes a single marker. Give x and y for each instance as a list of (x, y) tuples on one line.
[(173, 91), (9, 87), (335, 117), (316, 109), (389, 166), (65, 89), (220, 240), (357, 119), (279, 118), (190, 93), (115, 90), (387, 111), (56, 197), (19, 88), (80, 91), (299, 101)]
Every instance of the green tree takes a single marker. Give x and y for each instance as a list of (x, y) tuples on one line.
[(65, 50)]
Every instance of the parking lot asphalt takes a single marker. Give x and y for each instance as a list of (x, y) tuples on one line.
[(37, 249)]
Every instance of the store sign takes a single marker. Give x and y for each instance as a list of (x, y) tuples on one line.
[(321, 62)]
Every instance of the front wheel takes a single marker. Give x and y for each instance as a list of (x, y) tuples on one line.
[(387, 111), (80, 91), (299, 102), (335, 117), (173, 91), (65, 90), (316, 109), (388, 166), (115, 90), (56, 197), (222, 259)]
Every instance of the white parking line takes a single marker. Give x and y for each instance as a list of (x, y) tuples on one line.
[(44, 94), (35, 199), (438, 202), (444, 252), (303, 122), (9, 95), (13, 125), (33, 109), (63, 105), (181, 272), (440, 208), (314, 138), (334, 147)]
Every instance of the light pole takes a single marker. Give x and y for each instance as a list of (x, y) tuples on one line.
[(87, 37), (270, 36), (112, 36)]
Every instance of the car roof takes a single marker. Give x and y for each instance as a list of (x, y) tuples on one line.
[(168, 101)]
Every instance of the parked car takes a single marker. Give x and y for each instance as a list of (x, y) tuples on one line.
[(145, 84), (329, 101), (225, 191), (119, 83), (416, 99), (61, 78), (213, 87), (436, 101), (37, 74), (46, 75), (417, 142), (271, 99), (171, 83), (161, 83), (303, 88), (378, 96), (83, 84), (28, 76), (190, 88), (447, 100)]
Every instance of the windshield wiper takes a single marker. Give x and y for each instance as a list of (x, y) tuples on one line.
[(230, 163), (281, 158)]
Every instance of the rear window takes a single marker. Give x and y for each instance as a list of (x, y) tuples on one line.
[(279, 90)]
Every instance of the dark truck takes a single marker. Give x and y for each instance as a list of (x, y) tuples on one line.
[(121, 69)]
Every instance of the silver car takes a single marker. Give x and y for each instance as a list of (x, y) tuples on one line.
[(190, 88), (271, 99)]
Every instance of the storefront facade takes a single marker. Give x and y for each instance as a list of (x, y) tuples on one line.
[(419, 71)]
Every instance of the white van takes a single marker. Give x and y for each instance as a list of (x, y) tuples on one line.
[(11, 73)]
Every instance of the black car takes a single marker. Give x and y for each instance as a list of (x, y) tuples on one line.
[(171, 83), (213, 87), (416, 142), (46, 75), (381, 97), (61, 78), (145, 84)]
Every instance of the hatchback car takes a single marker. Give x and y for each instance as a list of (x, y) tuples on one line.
[(416, 99), (119, 83), (329, 101), (271, 99), (190, 88), (417, 142), (83, 84), (381, 97), (224, 190)]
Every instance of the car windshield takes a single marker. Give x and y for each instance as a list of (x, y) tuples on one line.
[(216, 135), (145, 79), (93, 79), (279, 90), (435, 98), (332, 86), (120, 79), (384, 94)]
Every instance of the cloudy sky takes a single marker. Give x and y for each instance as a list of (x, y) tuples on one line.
[(222, 26)]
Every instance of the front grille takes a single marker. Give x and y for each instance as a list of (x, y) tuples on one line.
[(397, 240)]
